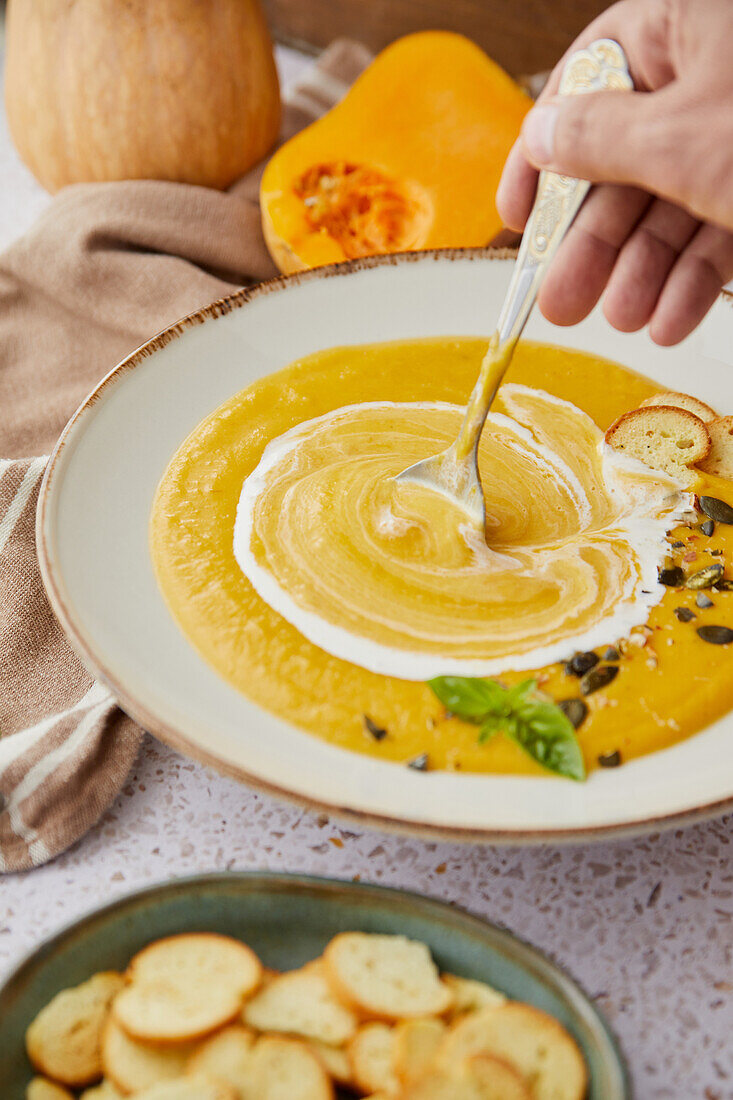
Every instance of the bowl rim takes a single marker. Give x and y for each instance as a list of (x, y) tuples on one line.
[(179, 741), (532, 959)]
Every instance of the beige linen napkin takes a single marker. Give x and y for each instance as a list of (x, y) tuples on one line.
[(103, 270)]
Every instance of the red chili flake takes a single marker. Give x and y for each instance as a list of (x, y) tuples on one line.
[(690, 556)]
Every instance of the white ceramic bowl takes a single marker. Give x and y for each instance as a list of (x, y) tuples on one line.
[(93, 543)]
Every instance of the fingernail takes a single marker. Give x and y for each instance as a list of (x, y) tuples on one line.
[(538, 134)]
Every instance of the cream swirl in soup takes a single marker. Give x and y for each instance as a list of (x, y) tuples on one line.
[(392, 578)]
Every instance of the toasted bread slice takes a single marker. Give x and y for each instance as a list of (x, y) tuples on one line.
[(104, 1091), (40, 1088), (480, 1077), (370, 1054), (184, 987), (663, 438), (414, 1047), (385, 977), (720, 459), (226, 1056), (189, 1088), (495, 1079), (285, 1069), (681, 401), (302, 1003), (335, 1061), (535, 1044), (132, 1066), (470, 995), (65, 1039)]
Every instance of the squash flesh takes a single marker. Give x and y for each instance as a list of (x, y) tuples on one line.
[(430, 124)]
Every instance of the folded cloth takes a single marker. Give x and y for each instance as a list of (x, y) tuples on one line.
[(105, 268)]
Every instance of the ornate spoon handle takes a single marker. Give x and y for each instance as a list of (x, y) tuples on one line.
[(600, 67)]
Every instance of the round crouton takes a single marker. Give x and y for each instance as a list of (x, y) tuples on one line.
[(370, 1054), (285, 1069), (385, 977), (415, 1045), (189, 1088), (335, 1061), (132, 1066), (103, 1091), (535, 1044), (184, 987), (720, 459), (65, 1039), (226, 1056), (664, 438), (682, 401), (40, 1088), (302, 1003), (480, 1077), (470, 995)]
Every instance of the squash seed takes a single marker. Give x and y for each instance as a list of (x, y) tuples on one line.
[(611, 654), (673, 577), (575, 710), (374, 731), (610, 759), (580, 663), (419, 763), (724, 585), (716, 635), (684, 614), (708, 527), (599, 677), (706, 577), (717, 509), (703, 601)]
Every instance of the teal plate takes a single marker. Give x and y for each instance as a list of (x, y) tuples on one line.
[(288, 919)]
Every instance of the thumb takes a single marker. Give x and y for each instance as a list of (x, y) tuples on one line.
[(601, 136)]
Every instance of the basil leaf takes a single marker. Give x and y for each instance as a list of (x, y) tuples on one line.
[(467, 697), (529, 718), (549, 738), (491, 725)]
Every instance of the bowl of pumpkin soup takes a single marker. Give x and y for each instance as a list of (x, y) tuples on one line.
[(261, 592)]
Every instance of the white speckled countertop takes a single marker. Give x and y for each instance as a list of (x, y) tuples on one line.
[(646, 926)]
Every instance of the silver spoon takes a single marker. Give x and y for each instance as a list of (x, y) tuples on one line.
[(454, 472)]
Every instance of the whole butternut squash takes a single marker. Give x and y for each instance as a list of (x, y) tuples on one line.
[(182, 90), (409, 159)]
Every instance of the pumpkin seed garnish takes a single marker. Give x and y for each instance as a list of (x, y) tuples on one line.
[(371, 727), (672, 578), (611, 654), (575, 710), (419, 763), (708, 527), (703, 601), (716, 509), (724, 585), (716, 635), (706, 577), (610, 759), (580, 663), (598, 678), (678, 545), (684, 614)]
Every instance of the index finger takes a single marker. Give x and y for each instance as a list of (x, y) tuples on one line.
[(642, 30)]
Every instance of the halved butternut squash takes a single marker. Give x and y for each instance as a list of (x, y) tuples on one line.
[(409, 159)]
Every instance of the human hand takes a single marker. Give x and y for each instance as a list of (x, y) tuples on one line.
[(657, 233)]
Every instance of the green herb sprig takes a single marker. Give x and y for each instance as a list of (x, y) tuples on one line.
[(522, 713)]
